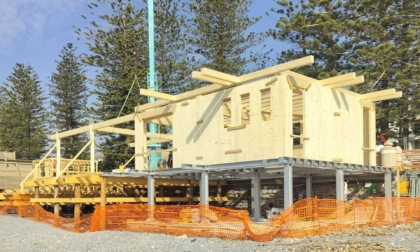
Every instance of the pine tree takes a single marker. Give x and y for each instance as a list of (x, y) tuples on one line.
[(22, 114), (68, 90), (385, 36), (316, 28), (171, 52), (220, 34), (118, 45), (377, 39)]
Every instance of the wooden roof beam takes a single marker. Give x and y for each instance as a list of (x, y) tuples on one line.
[(167, 120), (378, 93), (337, 79), (158, 95), (274, 70), (159, 135), (387, 97), (220, 75), (95, 126), (211, 79), (355, 81), (157, 112), (117, 131)]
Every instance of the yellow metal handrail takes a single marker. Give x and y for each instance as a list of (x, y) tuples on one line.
[(37, 166), (71, 161)]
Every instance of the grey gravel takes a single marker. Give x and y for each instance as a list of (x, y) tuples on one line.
[(19, 234)]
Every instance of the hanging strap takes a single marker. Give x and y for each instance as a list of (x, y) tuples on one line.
[(129, 92)]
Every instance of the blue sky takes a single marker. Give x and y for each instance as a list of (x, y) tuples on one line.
[(34, 32)]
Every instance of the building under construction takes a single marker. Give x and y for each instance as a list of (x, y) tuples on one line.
[(269, 124)]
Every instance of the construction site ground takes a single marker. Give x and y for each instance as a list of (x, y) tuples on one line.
[(20, 234)]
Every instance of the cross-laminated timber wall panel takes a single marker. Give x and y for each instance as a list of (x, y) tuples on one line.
[(201, 138), (334, 124)]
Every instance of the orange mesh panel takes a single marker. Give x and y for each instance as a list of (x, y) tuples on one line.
[(307, 217), (194, 220)]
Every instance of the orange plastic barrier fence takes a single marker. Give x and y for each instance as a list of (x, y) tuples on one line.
[(307, 217), (20, 205), (192, 220)]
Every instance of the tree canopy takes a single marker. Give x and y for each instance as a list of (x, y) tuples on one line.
[(22, 114), (68, 90)]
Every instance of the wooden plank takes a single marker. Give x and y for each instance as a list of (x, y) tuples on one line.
[(387, 97), (203, 77), (337, 79), (219, 75), (159, 135), (242, 126), (277, 69), (371, 95), (117, 131), (167, 120), (95, 126), (152, 105), (156, 151), (233, 151), (158, 112), (355, 81), (158, 95), (201, 91), (155, 141)]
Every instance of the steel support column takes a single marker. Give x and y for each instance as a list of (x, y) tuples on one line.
[(339, 183), (388, 184), (150, 190), (288, 186), (256, 196), (308, 186), (204, 188)]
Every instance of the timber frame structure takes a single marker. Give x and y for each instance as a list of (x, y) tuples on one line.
[(272, 123)]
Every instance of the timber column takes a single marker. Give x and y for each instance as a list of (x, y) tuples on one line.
[(36, 197), (57, 208), (77, 208), (103, 204)]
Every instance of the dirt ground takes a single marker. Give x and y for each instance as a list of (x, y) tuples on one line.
[(404, 237)]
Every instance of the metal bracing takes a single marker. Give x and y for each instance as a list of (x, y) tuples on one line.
[(309, 185), (288, 186), (388, 184), (339, 180), (204, 188), (256, 196)]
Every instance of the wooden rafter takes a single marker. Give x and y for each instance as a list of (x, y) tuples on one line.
[(337, 79), (159, 135), (158, 95), (308, 60), (117, 131), (95, 126), (378, 93), (158, 112), (204, 77), (220, 75), (387, 97), (355, 81)]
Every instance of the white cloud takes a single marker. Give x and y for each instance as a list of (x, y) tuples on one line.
[(27, 20)]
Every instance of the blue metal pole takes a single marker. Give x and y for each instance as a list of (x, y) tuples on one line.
[(152, 84)]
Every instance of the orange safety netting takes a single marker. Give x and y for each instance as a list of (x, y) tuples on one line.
[(20, 205), (307, 217)]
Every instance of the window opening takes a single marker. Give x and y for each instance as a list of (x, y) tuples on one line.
[(227, 112), (245, 109), (266, 104)]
